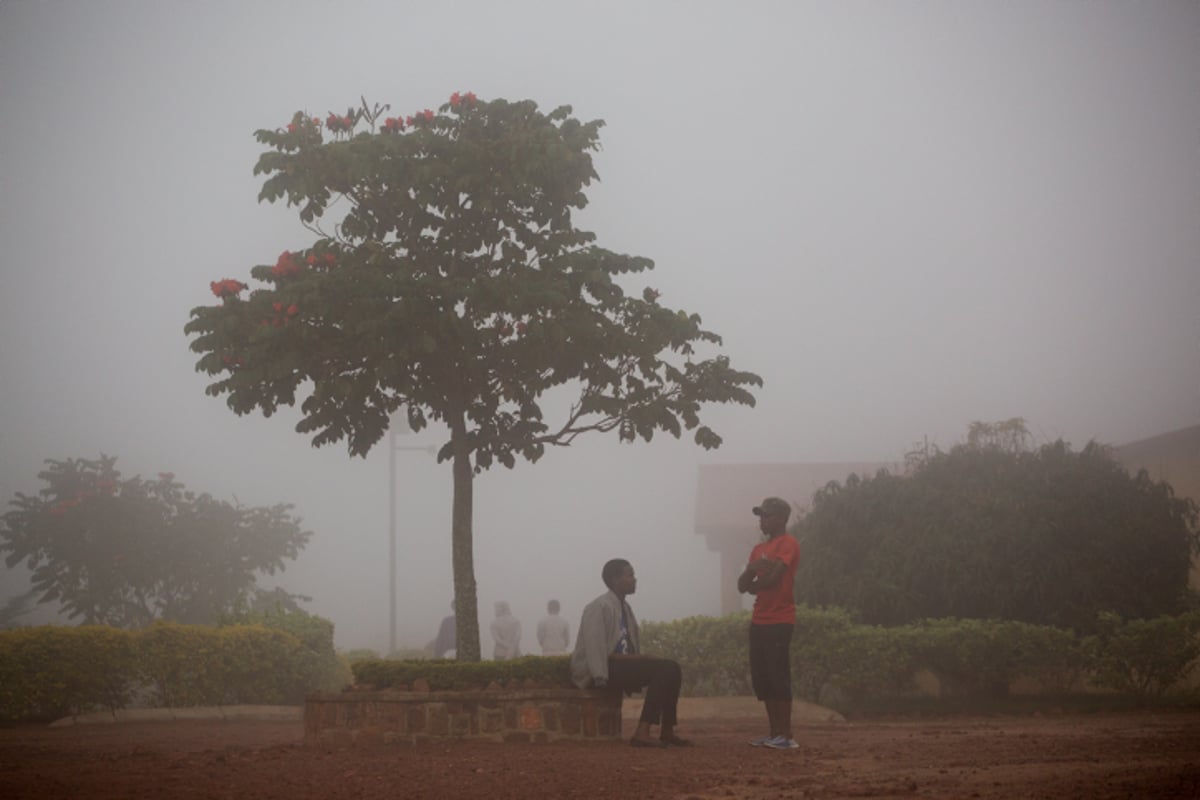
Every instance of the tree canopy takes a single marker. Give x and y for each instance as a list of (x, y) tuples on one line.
[(450, 283), (126, 552), (991, 529)]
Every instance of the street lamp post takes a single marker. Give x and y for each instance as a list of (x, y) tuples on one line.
[(392, 448)]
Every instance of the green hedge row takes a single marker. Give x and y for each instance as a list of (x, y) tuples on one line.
[(846, 665), (442, 674), (54, 671), (843, 663)]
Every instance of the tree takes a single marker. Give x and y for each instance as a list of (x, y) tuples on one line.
[(993, 530), (454, 287), (16, 607), (128, 552)]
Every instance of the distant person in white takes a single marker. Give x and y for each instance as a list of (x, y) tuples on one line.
[(553, 632), (506, 633)]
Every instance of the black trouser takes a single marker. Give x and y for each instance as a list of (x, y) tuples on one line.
[(770, 661), (660, 676)]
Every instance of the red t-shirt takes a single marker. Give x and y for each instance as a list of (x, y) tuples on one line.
[(777, 604)]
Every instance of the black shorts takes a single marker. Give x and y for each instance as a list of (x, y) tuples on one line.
[(770, 661)]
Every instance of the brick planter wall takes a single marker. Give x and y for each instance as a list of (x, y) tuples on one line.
[(504, 715)]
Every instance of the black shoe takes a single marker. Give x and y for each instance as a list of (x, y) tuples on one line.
[(676, 741)]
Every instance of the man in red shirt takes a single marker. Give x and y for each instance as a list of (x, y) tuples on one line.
[(769, 576)]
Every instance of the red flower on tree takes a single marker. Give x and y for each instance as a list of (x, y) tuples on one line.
[(286, 265), (226, 288)]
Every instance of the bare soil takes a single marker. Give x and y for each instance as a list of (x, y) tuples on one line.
[(1094, 756)]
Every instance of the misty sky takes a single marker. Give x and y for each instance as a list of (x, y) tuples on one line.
[(903, 216)]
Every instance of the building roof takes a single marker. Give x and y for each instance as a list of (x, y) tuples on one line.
[(725, 493), (1172, 457)]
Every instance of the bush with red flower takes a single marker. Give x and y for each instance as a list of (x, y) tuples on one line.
[(128, 551)]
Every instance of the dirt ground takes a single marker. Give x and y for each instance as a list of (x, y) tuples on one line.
[(1094, 756)]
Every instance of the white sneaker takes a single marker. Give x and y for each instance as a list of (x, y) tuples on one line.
[(781, 743), (760, 741)]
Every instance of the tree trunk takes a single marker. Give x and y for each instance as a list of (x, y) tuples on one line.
[(466, 605)]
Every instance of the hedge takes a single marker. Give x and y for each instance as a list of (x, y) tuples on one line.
[(52, 671)]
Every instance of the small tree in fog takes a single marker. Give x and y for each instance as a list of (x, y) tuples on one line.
[(128, 552), (454, 287)]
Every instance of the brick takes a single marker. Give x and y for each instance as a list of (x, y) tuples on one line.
[(439, 719), (366, 718), (491, 721), (609, 722), (336, 738), (572, 719), (550, 716), (531, 719), (589, 718), (392, 716)]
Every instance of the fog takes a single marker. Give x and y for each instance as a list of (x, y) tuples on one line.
[(903, 216)]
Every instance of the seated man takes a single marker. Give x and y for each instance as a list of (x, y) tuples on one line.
[(607, 654)]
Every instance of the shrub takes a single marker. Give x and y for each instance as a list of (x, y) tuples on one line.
[(261, 665), (52, 671), (317, 665), (1144, 657), (544, 671), (181, 665), (863, 663), (710, 650)]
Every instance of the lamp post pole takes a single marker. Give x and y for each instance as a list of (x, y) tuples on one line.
[(391, 542), (392, 448)]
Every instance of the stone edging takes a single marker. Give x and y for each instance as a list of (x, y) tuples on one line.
[(363, 717)]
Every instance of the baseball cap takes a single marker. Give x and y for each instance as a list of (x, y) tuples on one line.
[(773, 505)]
